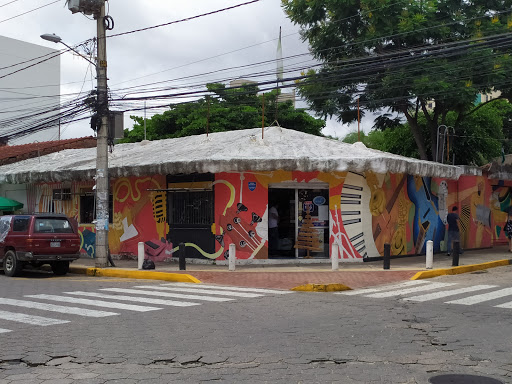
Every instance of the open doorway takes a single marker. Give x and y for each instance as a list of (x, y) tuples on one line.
[(292, 204), (281, 229)]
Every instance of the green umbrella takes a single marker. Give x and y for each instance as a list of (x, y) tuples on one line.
[(9, 205)]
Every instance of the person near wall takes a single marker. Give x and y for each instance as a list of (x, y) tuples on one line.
[(508, 231), (273, 230), (453, 220)]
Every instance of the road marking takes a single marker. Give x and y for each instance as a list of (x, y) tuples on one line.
[(382, 288), (96, 303), (132, 298), (228, 288), (57, 308), (166, 294), (483, 297), (199, 290), (4, 330), (400, 292), (30, 319), (441, 294)]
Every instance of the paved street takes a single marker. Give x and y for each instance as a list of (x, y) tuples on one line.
[(78, 329)]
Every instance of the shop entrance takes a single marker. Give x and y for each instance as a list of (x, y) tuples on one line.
[(292, 202)]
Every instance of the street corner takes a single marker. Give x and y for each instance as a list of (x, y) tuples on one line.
[(321, 288), (461, 269), (134, 274)]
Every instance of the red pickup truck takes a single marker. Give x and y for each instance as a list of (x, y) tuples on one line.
[(37, 239)]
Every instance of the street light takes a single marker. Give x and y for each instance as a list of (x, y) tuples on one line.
[(102, 181), (56, 39)]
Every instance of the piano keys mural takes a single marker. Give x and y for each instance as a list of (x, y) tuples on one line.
[(406, 210)]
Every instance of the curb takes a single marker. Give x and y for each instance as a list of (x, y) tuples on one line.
[(131, 274), (322, 288), (461, 269)]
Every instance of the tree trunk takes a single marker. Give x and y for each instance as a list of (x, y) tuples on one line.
[(416, 133)]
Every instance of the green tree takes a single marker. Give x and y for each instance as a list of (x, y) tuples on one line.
[(478, 139), (423, 59), (228, 109)]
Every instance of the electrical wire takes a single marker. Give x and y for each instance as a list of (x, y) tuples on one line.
[(32, 10)]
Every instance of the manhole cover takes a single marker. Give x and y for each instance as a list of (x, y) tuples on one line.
[(463, 379)]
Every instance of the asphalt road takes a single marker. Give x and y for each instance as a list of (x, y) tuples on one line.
[(70, 330)]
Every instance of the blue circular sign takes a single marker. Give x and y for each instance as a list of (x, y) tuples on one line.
[(319, 200)]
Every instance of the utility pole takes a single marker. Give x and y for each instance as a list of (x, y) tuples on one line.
[(102, 180)]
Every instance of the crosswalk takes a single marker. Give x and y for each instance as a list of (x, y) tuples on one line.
[(424, 290), (113, 301)]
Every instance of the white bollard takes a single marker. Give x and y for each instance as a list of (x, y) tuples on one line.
[(232, 256), (430, 254), (140, 255), (335, 258)]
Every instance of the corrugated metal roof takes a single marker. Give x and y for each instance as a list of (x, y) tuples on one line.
[(241, 150)]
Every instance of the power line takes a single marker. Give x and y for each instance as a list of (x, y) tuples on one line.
[(185, 19), (32, 10)]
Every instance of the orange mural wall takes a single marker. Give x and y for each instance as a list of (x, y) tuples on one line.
[(366, 211)]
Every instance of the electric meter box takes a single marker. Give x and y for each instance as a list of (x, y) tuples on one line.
[(87, 7), (116, 124)]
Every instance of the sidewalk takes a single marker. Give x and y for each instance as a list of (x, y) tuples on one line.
[(353, 275)]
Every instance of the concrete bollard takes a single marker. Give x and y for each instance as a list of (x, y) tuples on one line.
[(182, 257), (430, 254), (387, 256), (456, 251), (232, 257), (335, 260), (140, 254)]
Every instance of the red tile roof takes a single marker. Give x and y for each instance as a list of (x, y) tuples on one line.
[(13, 153)]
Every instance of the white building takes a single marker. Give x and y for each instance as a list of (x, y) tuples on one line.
[(30, 88)]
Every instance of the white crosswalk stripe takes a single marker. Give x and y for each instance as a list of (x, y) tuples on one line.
[(383, 288), (483, 297), (166, 294), (226, 288), (30, 319), (150, 297), (205, 291), (96, 303), (401, 292), (409, 287), (136, 299), (453, 292), (56, 308)]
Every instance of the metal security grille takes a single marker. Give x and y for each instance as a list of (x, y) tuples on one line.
[(192, 208)]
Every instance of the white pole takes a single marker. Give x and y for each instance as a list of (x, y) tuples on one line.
[(335, 257), (232, 257), (430, 254), (140, 258)]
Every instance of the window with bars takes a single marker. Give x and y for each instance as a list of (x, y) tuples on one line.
[(192, 207), (61, 194)]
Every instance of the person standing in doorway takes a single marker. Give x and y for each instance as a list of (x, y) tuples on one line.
[(453, 229), (273, 230)]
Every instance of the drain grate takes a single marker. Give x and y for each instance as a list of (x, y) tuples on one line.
[(463, 379)]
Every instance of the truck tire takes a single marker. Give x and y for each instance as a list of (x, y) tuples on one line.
[(12, 266), (60, 268)]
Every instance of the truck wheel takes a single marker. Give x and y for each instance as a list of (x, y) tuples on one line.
[(12, 266), (60, 268)]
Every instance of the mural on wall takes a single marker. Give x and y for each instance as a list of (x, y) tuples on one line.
[(140, 215), (501, 205)]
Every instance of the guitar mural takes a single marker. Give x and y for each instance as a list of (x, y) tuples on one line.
[(427, 225)]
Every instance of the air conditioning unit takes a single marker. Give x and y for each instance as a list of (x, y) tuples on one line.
[(88, 7)]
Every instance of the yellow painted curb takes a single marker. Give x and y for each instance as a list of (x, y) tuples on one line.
[(131, 274), (459, 270), (322, 288)]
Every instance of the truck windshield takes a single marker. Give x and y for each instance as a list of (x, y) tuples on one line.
[(5, 225), (52, 225)]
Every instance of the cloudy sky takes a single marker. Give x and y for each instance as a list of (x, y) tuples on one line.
[(183, 55)]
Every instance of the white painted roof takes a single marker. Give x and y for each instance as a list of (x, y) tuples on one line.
[(241, 150)]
